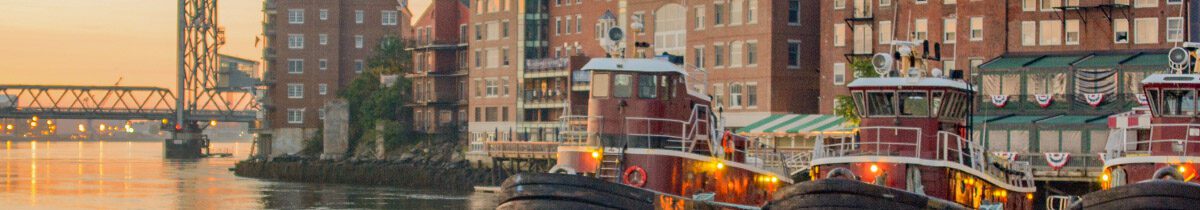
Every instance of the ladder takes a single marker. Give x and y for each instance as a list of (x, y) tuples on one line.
[(610, 165)]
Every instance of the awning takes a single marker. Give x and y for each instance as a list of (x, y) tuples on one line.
[(1019, 119), (1009, 62), (1054, 62), (1150, 59), (1103, 61), (796, 124), (1074, 119)]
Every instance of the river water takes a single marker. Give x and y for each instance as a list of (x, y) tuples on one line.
[(60, 174)]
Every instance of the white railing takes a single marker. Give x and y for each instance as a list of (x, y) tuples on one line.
[(1185, 142), (907, 142)]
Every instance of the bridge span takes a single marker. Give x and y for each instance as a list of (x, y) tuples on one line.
[(117, 103)]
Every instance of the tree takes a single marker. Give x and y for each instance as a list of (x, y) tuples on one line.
[(844, 105), (371, 102)]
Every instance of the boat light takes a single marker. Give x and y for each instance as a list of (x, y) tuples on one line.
[(874, 168), (1182, 169), (596, 154), (774, 179), (720, 165), (1029, 196), (1104, 177)]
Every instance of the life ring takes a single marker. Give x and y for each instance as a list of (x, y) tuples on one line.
[(641, 175)]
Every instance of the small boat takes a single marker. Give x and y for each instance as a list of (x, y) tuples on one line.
[(909, 150), (1154, 166), (652, 141)]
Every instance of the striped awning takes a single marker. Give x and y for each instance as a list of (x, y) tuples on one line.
[(795, 124)]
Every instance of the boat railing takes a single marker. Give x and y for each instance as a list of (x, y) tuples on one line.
[(1186, 142), (872, 145), (968, 153)]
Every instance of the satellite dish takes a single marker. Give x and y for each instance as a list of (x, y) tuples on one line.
[(882, 63), (1179, 59)]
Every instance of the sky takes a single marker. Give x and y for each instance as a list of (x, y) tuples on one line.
[(98, 42)]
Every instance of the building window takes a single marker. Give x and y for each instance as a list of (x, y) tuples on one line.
[(735, 54), (1174, 29), (1145, 3), (752, 95), (296, 16), (321, 114), (1174, 1), (949, 30), (948, 65), (323, 89), (324, 14), (736, 12), (389, 18), (295, 66), (323, 64), (1072, 32), (839, 35), (1049, 5), (358, 41), (793, 14), (751, 53), (698, 57), (1120, 31), (478, 58), (358, 16), (504, 85), (1028, 33), (700, 18), (504, 29), (492, 88), (295, 41), (977, 29), (922, 1), (793, 49), (735, 95), (718, 14), (558, 27), (718, 55), (323, 39), (505, 58), (885, 32), (752, 12), (1050, 32), (921, 29), (578, 24), (1145, 31), (839, 4), (719, 94), (975, 62), (295, 116), (359, 65), (1029, 5), (949, 1), (567, 24), (885, 2), (863, 42), (295, 91), (839, 73)]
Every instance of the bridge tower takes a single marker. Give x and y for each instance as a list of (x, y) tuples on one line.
[(199, 39)]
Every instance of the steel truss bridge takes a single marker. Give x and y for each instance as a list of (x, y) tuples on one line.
[(114, 102)]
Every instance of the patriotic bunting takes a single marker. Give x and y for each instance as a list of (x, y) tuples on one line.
[(999, 100), (1044, 100), (1094, 99), (1010, 156), (1057, 160)]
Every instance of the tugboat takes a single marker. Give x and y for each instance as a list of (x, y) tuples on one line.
[(1156, 169), (653, 142), (909, 151)]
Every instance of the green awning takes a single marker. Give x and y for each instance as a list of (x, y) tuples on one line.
[(1054, 62), (1009, 62), (1103, 61), (1075, 119), (980, 119), (1152, 60), (1019, 119), (796, 124)]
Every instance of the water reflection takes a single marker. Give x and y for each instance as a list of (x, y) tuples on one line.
[(72, 174)]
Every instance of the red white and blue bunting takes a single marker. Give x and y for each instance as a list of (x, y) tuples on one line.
[(1094, 99), (1142, 99), (999, 100), (1057, 160), (1010, 156), (1044, 100)]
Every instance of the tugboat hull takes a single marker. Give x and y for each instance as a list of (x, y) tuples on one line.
[(851, 194), (562, 191), (1156, 194)]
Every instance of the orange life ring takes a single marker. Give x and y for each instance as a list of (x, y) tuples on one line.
[(641, 175)]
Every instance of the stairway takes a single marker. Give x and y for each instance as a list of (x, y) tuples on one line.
[(610, 165)]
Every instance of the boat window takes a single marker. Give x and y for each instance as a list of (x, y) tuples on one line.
[(647, 87), (936, 102), (858, 103), (954, 105), (914, 104), (1178, 102), (600, 85), (880, 103), (622, 86), (1152, 97)]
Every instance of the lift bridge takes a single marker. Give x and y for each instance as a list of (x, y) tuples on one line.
[(201, 96)]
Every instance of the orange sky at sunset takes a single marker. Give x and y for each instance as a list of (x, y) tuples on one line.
[(95, 42)]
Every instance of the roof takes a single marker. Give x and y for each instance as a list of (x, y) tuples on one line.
[(1172, 78), (632, 65), (1039, 119), (1055, 61), (796, 124), (1101, 61), (1009, 62), (1075, 119), (908, 82), (1149, 59)]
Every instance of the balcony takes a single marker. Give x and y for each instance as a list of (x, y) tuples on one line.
[(547, 68), (861, 13), (545, 99)]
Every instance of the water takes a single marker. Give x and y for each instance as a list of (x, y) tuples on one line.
[(59, 174)]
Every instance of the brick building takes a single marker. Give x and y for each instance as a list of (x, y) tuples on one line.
[(1057, 50), (313, 49), (439, 76), (755, 52)]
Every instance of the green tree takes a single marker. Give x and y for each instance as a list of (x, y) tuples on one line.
[(371, 102), (844, 105)]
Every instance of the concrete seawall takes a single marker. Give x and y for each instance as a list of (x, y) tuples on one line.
[(379, 173)]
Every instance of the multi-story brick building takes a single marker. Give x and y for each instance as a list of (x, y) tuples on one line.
[(439, 74), (1038, 59), (754, 52), (313, 49)]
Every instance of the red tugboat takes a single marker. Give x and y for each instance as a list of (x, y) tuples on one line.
[(653, 142), (909, 151), (1156, 169)]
